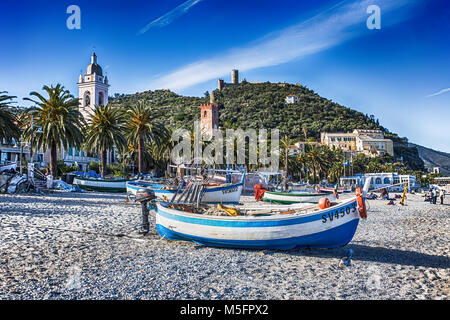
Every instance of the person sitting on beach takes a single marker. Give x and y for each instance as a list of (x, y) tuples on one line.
[(384, 194)]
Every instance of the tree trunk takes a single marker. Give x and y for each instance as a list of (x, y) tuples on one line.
[(103, 159), (314, 174), (141, 155), (286, 169), (53, 160)]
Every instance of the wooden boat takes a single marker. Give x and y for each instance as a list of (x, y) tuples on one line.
[(316, 228), (229, 193), (295, 197), (9, 166), (103, 185), (331, 189), (133, 186)]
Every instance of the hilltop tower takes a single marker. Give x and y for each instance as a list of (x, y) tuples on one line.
[(92, 87), (220, 84), (209, 119), (235, 76)]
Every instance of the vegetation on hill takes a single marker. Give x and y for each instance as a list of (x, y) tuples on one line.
[(262, 105)]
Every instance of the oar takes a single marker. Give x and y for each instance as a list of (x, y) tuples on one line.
[(175, 194)]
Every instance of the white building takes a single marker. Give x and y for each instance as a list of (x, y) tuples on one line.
[(92, 90), (93, 87), (291, 99), (381, 180)]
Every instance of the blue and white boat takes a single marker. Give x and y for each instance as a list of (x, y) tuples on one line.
[(228, 193), (134, 186), (319, 228)]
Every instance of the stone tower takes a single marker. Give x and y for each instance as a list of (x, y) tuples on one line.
[(92, 87), (209, 119), (235, 76), (220, 84)]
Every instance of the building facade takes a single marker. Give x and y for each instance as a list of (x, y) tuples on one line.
[(370, 142), (343, 141), (381, 180), (209, 119), (291, 99)]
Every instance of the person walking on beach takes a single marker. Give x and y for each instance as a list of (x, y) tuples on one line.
[(442, 195), (434, 196)]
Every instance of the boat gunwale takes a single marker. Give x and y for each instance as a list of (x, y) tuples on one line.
[(102, 180), (293, 194)]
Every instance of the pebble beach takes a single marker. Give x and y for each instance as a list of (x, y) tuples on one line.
[(87, 246)]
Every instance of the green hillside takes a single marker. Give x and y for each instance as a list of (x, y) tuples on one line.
[(262, 105)]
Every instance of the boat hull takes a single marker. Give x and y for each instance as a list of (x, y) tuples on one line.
[(329, 228), (9, 166), (101, 185), (133, 186), (287, 198)]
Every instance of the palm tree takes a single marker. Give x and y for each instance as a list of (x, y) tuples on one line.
[(316, 160), (286, 144), (305, 132), (60, 120), (302, 164), (104, 132), (143, 126), (8, 127)]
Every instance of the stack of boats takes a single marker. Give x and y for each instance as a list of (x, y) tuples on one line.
[(260, 227), (298, 222)]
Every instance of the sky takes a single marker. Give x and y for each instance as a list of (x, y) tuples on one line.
[(399, 72)]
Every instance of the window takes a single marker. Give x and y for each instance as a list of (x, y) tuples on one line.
[(204, 114), (387, 181), (101, 98), (378, 181), (87, 99)]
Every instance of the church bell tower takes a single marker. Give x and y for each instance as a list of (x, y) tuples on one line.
[(92, 87)]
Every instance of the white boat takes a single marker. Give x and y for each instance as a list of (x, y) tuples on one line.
[(317, 228), (295, 197), (7, 167), (226, 193), (103, 185), (133, 186)]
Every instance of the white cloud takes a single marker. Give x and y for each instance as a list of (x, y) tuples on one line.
[(170, 16), (327, 29), (438, 93)]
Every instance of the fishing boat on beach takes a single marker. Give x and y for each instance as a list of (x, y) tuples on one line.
[(7, 167), (229, 193), (332, 226), (102, 185), (328, 189), (295, 197), (133, 186)]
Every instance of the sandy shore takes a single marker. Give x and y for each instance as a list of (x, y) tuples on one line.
[(86, 246)]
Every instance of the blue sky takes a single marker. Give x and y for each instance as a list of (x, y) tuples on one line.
[(399, 73)]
